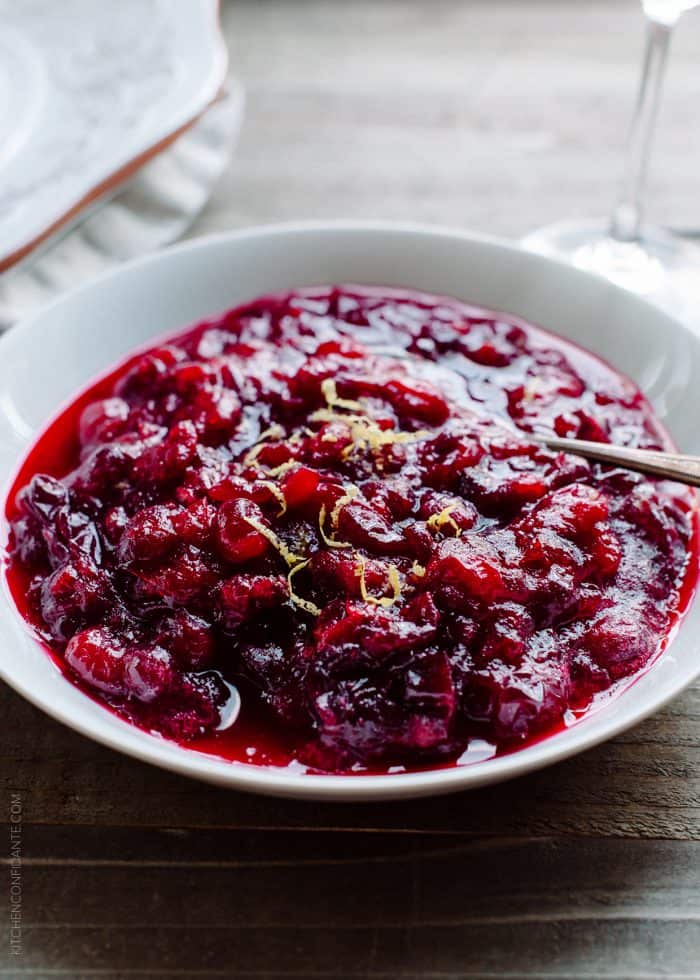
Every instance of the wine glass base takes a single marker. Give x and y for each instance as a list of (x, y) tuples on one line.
[(662, 267)]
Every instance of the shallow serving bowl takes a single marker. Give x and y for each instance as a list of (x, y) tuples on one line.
[(46, 358)]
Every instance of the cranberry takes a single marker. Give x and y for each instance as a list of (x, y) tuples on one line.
[(213, 411), (187, 576), (71, 534), (508, 634), (149, 535), (362, 525), (116, 520), (299, 486), (75, 594), (236, 531), (44, 497), (27, 541), (517, 701), (102, 471), (168, 460), (620, 640), (149, 673), (103, 421), (279, 672), (445, 458), (396, 713), (194, 525), (376, 630), (243, 597), (487, 343), (189, 638), (148, 371), (394, 495), (448, 514), (472, 567), (335, 570), (98, 658), (417, 402), (193, 707)]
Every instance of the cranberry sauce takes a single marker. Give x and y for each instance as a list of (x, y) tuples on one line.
[(329, 499)]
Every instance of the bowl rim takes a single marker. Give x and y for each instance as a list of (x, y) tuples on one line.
[(129, 740)]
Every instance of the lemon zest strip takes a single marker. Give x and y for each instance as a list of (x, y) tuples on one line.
[(273, 432), (437, 521), (329, 391), (331, 542), (277, 493), (283, 467), (352, 492), (394, 582), (267, 532), (304, 604)]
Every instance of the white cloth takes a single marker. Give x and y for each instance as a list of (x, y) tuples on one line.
[(151, 210)]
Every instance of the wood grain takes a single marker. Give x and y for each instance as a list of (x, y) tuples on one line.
[(343, 905), (643, 784), (499, 115)]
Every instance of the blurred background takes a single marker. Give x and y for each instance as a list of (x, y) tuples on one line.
[(500, 115)]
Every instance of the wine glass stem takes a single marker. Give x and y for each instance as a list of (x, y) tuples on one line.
[(627, 216)]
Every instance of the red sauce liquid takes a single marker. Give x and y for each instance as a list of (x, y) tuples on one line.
[(498, 367)]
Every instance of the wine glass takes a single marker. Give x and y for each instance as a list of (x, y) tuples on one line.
[(645, 259)]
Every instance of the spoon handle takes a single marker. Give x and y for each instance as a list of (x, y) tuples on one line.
[(672, 466)]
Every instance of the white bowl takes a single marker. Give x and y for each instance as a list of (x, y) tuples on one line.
[(45, 359)]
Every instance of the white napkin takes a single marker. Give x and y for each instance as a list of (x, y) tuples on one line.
[(152, 209)]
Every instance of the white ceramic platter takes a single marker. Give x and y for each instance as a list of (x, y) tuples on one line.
[(88, 92), (46, 358)]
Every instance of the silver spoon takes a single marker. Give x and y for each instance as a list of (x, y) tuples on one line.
[(671, 466)]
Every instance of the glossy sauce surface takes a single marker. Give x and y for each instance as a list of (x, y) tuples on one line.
[(365, 543)]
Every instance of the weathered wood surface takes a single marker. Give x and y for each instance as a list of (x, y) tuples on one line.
[(499, 115), (645, 783), (212, 904)]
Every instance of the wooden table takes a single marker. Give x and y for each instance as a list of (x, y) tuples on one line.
[(499, 115)]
